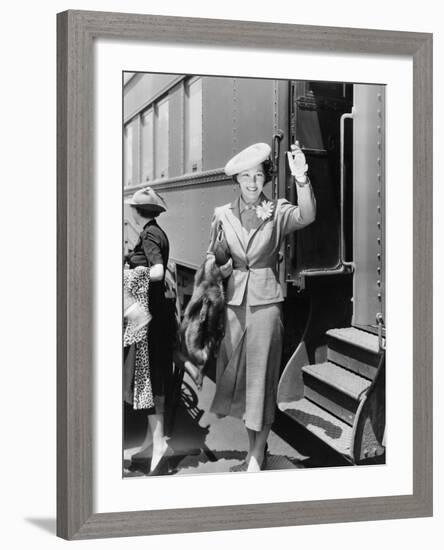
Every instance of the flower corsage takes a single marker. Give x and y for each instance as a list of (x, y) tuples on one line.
[(264, 210)]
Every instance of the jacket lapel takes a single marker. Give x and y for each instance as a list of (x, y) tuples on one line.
[(233, 217), (263, 222)]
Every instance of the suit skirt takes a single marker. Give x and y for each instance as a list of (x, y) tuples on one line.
[(248, 364)]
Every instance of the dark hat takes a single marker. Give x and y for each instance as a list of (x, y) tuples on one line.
[(248, 158), (147, 199)]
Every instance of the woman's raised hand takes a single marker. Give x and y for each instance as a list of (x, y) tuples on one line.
[(297, 163)]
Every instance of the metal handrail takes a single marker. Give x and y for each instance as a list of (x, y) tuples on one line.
[(277, 138), (342, 183)]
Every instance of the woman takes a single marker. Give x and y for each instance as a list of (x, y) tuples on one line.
[(153, 356), (249, 358)]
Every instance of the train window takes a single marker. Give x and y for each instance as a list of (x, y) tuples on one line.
[(147, 148), (128, 154), (193, 125), (161, 139)]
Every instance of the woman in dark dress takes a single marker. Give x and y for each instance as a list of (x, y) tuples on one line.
[(153, 356)]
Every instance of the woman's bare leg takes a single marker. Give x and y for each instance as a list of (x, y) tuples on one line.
[(251, 441), (257, 454), (160, 445)]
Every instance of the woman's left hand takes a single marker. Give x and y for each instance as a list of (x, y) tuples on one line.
[(297, 163)]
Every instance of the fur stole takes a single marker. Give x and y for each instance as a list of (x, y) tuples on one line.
[(203, 324)]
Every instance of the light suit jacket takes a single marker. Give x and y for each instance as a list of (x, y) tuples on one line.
[(255, 254)]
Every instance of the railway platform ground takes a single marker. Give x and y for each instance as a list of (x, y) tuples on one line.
[(203, 443)]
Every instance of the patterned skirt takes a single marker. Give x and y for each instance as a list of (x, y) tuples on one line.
[(137, 387)]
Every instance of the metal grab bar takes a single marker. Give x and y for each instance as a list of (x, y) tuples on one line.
[(342, 184), (275, 153)]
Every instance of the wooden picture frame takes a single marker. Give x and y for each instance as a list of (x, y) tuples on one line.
[(77, 31)]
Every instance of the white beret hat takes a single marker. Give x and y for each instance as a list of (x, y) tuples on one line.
[(248, 158)]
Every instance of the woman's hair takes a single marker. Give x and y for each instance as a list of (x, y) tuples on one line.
[(268, 171), (147, 212)]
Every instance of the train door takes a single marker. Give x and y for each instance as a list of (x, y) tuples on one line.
[(315, 121), (347, 168)]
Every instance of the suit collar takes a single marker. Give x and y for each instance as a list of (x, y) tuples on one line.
[(251, 236), (233, 216)]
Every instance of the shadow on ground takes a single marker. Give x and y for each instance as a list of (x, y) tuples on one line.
[(199, 442)]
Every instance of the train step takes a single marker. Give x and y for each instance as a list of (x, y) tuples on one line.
[(324, 425), (335, 389), (326, 398), (354, 349)]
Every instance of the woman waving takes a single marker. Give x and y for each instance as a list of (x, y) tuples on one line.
[(250, 354)]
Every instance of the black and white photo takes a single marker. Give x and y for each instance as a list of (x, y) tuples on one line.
[(253, 274)]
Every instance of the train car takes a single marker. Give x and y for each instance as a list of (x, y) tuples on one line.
[(180, 130)]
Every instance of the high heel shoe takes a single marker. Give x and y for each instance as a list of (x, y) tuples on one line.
[(163, 466), (243, 466)]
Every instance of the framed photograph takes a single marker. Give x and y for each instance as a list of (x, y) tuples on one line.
[(244, 275)]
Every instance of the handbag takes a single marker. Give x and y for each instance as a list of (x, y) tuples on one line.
[(221, 249)]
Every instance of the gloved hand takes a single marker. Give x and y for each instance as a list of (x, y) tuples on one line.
[(297, 163)]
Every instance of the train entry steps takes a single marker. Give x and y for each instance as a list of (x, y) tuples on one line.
[(341, 398)]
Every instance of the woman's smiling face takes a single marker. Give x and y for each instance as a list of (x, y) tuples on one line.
[(251, 182)]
